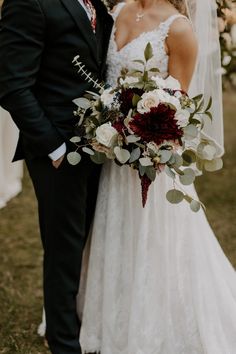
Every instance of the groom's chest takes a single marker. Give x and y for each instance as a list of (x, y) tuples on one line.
[(68, 25)]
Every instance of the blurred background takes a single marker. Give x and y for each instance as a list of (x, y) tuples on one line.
[(20, 249)]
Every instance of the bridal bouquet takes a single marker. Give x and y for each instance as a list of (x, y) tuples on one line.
[(149, 124)]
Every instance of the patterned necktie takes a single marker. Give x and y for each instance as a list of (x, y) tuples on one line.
[(92, 13)]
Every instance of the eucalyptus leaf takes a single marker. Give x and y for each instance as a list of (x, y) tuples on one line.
[(145, 161), (75, 139), (206, 151), (169, 172), (151, 173), (135, 154), (142, 170), (88, 151), (199, 164), (209, 152), (175, 196), (188, 198), (171, 161), (98, 157), (122, 155), (213, 165), (132, 138), (178, 160), (82, 102), (190, 132), (189, 157), (73, 158), (165, 155), (188, 177), (195, 205)]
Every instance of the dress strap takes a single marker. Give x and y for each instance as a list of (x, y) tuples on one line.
[(117, 10), (165, 25)]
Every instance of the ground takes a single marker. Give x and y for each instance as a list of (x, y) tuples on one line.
[(21, 255)]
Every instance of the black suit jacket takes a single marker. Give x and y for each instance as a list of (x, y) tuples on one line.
[(38, 41)]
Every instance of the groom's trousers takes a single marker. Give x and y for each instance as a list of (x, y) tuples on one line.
[(66, 200)]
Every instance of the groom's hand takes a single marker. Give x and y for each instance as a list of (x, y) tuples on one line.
[(57, 156), (58, 162)]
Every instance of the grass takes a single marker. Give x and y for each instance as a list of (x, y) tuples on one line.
[(21, 255)]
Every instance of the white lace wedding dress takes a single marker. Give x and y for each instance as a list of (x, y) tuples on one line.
[(158, 281), (10, 173)]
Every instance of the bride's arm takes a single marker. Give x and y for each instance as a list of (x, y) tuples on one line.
[(182, 49)]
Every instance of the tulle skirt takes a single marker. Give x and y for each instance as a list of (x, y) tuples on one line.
[(10, 173), (157, 280)]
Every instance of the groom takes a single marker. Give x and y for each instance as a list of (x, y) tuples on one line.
[(38, 41)]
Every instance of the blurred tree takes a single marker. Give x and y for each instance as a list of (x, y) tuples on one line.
[(227, 28)]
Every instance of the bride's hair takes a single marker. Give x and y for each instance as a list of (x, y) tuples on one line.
[(179, 5)]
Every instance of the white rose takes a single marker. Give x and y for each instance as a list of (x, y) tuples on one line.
[(160, 83), (178, 94), (107, 97), (106, 135), (172, 83), (162, 95), (129, 80), (182, 117), (148, 100), (175, 102), (165, 97)]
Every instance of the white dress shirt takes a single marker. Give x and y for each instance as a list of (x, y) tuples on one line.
[(61, 150)]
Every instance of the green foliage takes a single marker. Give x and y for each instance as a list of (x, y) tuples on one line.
[(148, 53), (98, 158), (227, 19), (74, 158), (174, 196)]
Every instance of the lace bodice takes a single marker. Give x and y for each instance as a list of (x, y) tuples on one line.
[(123, 58)]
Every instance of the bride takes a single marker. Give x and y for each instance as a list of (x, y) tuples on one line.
[(158, 281), (10, 174)]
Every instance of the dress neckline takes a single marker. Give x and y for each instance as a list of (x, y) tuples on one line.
[(157, 28)]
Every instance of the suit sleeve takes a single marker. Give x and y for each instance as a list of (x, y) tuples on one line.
[(22, 32)]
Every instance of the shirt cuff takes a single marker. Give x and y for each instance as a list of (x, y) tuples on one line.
[(59, 152)]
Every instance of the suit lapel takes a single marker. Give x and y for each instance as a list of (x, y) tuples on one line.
[(81, 19), (104, 27)]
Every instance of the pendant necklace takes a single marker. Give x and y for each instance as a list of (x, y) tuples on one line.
[(139, 16)]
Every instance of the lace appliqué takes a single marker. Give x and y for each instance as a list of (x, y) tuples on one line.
[(118, 59)]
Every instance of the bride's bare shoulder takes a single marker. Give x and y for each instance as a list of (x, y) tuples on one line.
[(180, 26), (182, 36)]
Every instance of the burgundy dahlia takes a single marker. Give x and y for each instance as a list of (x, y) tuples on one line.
[(126, 98), (145, 184), (119, 125), (157, 125)]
